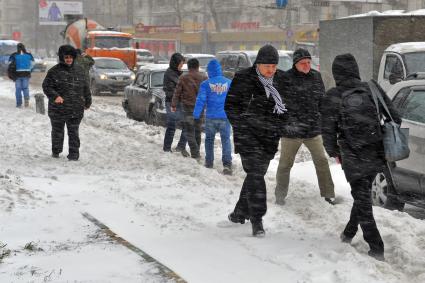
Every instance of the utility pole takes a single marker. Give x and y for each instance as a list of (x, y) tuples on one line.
[(205, 29)]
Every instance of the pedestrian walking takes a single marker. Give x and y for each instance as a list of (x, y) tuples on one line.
[(186, 92), (303, 93), (69, 95), (85, 61), (23, 62), (361, 157), (171, 78), (212, 96), (255, 110)]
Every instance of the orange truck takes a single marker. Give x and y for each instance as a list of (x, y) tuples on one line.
[(97, 41)]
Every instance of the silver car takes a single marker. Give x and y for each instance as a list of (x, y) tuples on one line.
[(405, 182), (109, 75)]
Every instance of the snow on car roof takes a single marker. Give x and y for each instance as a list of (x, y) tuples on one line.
[(406, 47), (198, 55), (8, 42), (247, 52), (107, 58), (420, 12)]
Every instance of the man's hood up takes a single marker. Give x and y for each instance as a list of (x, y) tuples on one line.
[(345, 68)]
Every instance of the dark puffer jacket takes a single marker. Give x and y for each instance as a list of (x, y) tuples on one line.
[(70, 83), (256, 129), (356, 163), (302, 97), (171, 76)]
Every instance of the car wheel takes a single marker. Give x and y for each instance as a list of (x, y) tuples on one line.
[(152, 115), (93, 88), (380, 197)]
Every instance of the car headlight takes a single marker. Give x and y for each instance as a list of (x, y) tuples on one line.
[(132, 76), (103, 76), (45, 63)]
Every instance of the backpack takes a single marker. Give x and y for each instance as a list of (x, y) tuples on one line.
[(11, 70), (360, 122)]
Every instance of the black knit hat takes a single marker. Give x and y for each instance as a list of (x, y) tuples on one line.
[(300, 54), (267, 55), (66, 50)]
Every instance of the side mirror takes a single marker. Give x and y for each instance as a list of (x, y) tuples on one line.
[(395, 78)]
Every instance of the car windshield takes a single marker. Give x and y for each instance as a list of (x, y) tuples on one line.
[(203, 61), (144, 54), (111, 42), (157, 79), (110, 64), (285, 62), (415, 62), (7, 49)]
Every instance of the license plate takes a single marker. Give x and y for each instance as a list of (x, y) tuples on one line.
[(120, 78)]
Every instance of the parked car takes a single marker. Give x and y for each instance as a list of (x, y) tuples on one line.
[(233, 61), (144, 56), (405, 183), (40, 65), (109, 75), (144, 100), (203, 59)]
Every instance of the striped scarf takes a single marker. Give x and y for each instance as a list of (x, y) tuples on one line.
[(279, 107)]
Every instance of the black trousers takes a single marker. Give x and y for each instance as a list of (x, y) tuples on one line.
[(193, 133), (362, 213), (252, 201), (58, 129)]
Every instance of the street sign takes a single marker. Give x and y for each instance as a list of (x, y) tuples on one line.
[(281, 3)]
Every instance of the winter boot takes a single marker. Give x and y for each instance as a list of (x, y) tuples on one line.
[(345, 239), (330, 200), (209, 165), (376, 255), (55, 155), (236, 218), (257, 228), (227, 170), (26, 103)]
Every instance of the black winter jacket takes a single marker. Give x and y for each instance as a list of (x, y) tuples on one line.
[(70, 83), (255, 127), (171, 76), (356, 163), (302, 97)]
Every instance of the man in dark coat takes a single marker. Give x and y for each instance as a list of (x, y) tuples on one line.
[(69, 95), (254, 108), (303, 92), (186, 93), (360, 165), (171, 77)]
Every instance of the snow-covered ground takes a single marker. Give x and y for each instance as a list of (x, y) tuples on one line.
[(173, 209)]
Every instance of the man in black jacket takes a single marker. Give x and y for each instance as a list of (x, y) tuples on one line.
[(360, 165), (255, 109), (171, 77), (303, 92), (69, 95)]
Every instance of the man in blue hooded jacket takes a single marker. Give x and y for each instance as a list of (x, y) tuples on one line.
[(24, 63), (212, 95)]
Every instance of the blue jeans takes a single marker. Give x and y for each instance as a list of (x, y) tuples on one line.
[(212, 126), (172, 119), (21, 86)]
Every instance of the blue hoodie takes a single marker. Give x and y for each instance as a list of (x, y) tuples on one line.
[(212, 93)]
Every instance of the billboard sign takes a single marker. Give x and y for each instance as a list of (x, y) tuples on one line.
[(53, 12)]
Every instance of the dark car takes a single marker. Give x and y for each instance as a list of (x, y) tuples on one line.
[(233, 61), (144, 100), (109, 75), (405, 183)]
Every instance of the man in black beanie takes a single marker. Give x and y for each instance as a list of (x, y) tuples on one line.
[(255, 110), (302, 126), (69, 95)]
